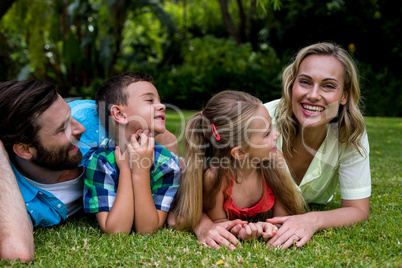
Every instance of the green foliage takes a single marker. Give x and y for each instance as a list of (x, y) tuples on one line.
[(77, 43), (211, 65), (373, 243), (379, 91)]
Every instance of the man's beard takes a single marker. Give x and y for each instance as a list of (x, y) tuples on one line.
[(56, 159)]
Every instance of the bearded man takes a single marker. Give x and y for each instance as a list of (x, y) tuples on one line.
[(41, 173), (40, 137)]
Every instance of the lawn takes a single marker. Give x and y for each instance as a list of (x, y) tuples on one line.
[(373, 243)]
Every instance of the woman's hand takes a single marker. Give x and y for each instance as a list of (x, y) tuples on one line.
[(296, 229), (300, 228)]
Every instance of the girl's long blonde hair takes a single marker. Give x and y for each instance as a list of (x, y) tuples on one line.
[(230, 112), (350, 120)]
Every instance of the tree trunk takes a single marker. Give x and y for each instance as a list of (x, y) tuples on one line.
[(228, 22)]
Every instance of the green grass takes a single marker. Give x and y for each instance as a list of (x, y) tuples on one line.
[(373, 243)]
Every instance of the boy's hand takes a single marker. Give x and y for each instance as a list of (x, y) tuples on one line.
[(122, 159), (141, 149)]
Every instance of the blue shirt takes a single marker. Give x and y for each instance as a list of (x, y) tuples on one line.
[(44, 209)]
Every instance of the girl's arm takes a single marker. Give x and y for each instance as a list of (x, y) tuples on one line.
[(120, 218), (300, 228), (278, 210), (217, 213)]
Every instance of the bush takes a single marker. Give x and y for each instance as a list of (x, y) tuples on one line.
[(380, 91), (211, 65)]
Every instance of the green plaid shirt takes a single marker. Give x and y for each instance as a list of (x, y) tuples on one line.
[(102, 178)]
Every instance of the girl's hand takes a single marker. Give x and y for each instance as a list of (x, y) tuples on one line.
[(122, 159), (141, 149), (215, 234), (296, 229), (268, 229), (250, 231)]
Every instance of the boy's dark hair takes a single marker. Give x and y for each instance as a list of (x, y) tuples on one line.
[(112, 92), (21, 103)]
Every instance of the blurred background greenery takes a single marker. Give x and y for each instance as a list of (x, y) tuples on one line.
[(195, 48)]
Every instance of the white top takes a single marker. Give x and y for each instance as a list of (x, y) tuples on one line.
[(68, 192), (333, 162)]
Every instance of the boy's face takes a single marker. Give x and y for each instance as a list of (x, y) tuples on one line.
[(144, 109)]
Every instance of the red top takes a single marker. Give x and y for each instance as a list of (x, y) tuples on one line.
[(265, 204)]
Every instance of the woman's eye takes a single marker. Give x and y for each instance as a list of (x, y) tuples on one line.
[(329, 86), (305, 82)]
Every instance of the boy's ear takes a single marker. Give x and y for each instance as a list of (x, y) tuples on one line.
[(238, 153), (23, 150), (118, 114)]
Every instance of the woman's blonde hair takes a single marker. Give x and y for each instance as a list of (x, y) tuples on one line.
[(229, 112), (350, 120)]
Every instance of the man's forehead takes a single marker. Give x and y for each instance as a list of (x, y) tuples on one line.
[(55, 115)]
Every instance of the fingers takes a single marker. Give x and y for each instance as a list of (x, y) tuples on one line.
[(220, 236), (250, 231), (277, 220), (302, 241), (289, 242), (236, 229), (289, 235), (269, 230), (230, 224)]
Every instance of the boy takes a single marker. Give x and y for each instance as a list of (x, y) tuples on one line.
[(130, 110)]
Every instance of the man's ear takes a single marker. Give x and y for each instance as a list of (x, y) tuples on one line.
[(23, 150), (238, 153), (118, 115)]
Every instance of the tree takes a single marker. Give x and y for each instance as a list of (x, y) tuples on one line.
[(246, 16), (75, 43)]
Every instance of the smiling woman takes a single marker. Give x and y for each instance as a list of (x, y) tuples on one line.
[(323, 140)]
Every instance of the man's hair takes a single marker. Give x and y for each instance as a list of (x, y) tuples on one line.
[(113, 92), (21, 103)]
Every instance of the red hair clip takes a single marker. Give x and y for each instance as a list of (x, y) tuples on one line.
[(216, 135)]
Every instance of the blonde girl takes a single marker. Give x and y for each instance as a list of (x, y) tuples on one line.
[(232, 167)]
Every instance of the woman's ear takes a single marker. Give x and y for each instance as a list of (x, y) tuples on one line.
[(23, 150), (344, 98), (118, 115), (238, 153)]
